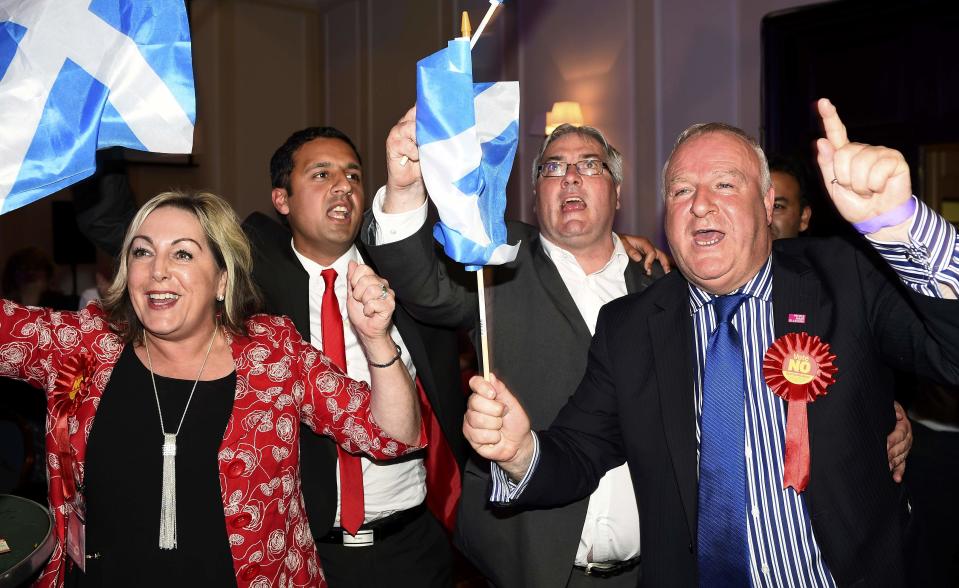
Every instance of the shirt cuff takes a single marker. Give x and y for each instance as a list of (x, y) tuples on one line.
[(391, 228), (505, 490), (930, 258)]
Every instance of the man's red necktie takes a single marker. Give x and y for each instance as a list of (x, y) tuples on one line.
[(442, 474), (352, 509)]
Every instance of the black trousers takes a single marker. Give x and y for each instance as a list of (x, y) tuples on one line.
[(932, 475), (418, 556)]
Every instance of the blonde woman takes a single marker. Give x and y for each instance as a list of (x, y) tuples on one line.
[(173, 410)]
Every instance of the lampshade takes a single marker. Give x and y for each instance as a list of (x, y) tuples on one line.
[(563, 112)]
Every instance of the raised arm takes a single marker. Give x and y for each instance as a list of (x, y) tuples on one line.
[(27, 340), (871, 189), (394, 403), (381, 419), (399, 241), (405, 189)]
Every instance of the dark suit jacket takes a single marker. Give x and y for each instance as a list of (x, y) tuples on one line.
[(538, 345), (285, 285), (635, 403)]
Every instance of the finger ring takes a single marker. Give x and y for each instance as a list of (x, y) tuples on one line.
[(834, 181), (384, 292)]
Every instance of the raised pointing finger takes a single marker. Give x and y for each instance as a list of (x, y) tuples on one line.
[(832, 124)]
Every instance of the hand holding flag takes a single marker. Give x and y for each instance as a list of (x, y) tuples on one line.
[(404, 181), (467, 135)]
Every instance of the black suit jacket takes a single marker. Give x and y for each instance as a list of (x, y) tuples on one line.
[(635, 403), (285, 286), (539, 343)]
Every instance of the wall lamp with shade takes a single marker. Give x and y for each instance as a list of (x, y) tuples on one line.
[(564, 112)]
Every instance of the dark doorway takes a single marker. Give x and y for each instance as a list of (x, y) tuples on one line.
[(892, 69)]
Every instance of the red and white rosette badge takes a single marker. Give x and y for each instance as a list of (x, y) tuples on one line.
[(798, 368)]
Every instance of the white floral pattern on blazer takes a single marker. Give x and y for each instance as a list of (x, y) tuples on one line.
[(280, 381)]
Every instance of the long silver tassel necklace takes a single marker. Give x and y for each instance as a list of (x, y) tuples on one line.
[(168, 490)]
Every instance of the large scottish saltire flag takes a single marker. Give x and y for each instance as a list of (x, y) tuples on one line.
[(80, 75), (467, 135)]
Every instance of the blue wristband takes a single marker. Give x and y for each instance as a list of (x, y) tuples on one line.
[(889, 218)]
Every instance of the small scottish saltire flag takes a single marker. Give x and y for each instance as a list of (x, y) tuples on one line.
[(79, 75), (467, 135)]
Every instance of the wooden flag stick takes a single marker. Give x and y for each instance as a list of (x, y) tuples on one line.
[(466, 30), (480, 282), (484, 338), (494, 4)]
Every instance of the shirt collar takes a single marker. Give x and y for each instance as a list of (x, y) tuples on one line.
[(555, 253), (341, 265), (760, 286)]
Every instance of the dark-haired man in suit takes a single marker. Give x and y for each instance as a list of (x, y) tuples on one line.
[(317, 179)]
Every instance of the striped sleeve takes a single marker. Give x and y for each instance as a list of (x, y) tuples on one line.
[(930, 258), (505, 490)]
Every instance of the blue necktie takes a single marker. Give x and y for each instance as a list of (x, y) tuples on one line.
[(721, 536)]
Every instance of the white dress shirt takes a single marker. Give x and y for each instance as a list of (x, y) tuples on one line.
[(388, 486), (611, 529)]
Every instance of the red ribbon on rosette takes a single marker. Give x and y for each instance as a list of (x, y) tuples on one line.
[(72, 385), (798, 368)]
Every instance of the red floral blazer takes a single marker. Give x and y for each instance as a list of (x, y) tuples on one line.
[(280, 380)]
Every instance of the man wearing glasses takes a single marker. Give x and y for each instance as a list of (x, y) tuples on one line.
[(543, 309)]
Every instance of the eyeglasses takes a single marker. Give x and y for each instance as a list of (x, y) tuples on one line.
[(557, 169)]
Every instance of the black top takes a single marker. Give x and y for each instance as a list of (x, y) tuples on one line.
[(123, 478)]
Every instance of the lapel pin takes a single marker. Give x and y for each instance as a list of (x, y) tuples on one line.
[(799, 319)]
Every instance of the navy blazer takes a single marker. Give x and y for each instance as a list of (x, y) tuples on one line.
[(635, 403)]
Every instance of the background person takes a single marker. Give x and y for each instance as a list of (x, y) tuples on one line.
[(791, 208)]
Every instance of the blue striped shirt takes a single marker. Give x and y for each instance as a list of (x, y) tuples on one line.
[(930, 258), (782, 548)]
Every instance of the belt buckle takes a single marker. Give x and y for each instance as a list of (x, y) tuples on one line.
[(363, 538), (603, 569)]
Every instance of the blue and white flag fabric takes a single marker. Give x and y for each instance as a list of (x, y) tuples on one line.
[(80, 75), (467, 135)]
